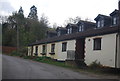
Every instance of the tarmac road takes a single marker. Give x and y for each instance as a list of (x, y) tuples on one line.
[(18, 68)]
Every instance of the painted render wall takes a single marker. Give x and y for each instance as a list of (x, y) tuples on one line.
[(106, 56), (34, 50), (29, 50), (70, 46), (59, 55), (49, 51), (40, 50)]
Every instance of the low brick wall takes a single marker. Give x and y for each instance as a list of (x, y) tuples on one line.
[(8, 49)]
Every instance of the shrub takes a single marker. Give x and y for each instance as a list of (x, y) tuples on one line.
[(95, 64), (27, 57), (23, 51), (15, 53), (44, 58)]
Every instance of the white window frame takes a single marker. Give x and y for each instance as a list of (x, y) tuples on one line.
[(64, 46), (114, 21), (80, 28), (53, 48), (102, 23), (58, 33), (70, 30), (97, 45), (98, 24)]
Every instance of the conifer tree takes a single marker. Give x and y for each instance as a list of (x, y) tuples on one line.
[(33, 13)]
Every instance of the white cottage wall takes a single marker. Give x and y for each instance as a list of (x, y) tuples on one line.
[(106, 56)]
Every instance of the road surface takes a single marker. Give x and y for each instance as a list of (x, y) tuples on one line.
[(18, 68)]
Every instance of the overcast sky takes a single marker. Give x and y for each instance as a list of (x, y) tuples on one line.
[(58, 11)]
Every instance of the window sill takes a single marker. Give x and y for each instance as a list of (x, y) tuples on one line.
[(97, 49), (43, 53), (99, 27), (35, 54), (114, 25), (64, 51), (52, 53)]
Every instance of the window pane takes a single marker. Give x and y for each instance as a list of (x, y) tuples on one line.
[(58, 33), (80, 28), (64, 46), (98, 24), (53, 48), (36, 50), (44, 49), (102, 23), (70, 30), (97, 44), (114, 20)]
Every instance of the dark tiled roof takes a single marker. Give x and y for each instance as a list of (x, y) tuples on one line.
[(114, 12), (89, 33), (71, 25), (85, 22), (100, 15), (51, 31), (60, 28)]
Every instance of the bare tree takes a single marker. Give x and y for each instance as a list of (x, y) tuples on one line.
[(3, 19), (72, 20)]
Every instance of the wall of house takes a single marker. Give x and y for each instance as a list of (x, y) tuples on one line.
[(59, 55), (118, 51), (49, 51), (29, 50), (106, 56), (39, 50), (63, 55), (34, 50)]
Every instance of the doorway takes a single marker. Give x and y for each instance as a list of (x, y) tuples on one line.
[(79, 51)]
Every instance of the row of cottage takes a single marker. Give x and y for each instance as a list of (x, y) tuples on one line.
[(84, 41)]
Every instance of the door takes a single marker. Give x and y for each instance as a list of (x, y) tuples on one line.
[(79, 52)]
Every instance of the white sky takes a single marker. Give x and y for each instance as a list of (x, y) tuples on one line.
[(58, 11)]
